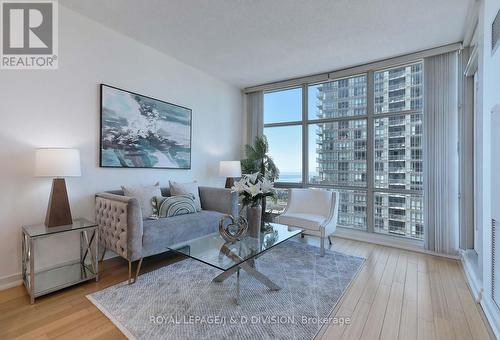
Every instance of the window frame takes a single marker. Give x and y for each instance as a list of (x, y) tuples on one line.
[(370, 118)]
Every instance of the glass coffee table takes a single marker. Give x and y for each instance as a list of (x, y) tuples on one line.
[(232, 257)]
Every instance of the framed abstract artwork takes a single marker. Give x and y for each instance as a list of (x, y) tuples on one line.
[(142, 132)]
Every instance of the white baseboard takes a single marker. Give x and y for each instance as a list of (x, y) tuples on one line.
[(10, 281), (388, 241), (490, 310), (474, 282)]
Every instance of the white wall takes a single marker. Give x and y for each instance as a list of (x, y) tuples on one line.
[(491, 172), (487, 201), (60, 108)]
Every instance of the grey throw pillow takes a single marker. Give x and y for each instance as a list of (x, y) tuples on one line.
[(144, 194), (174, 205), (184, 189)]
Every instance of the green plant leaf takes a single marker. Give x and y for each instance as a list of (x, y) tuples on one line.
[(258, 160)]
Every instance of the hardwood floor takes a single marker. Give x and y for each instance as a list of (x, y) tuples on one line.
[(397, 294), (406, 295)]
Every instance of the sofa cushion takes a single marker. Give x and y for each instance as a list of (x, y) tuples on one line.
[(143, 194), (174, 205), (160, 233), (186, 188), (305, 221), (165, 192)]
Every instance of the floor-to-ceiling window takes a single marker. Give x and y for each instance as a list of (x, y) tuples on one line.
[(361, 136)]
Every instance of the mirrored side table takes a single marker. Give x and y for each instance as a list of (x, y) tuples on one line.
[(42, 282)]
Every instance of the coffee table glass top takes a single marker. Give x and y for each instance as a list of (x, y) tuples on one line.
[(214, 251)]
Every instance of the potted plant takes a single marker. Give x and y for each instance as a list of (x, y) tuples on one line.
[(258, 160), (254, 189)]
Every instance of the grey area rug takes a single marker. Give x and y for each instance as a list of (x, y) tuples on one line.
[(180, 301)]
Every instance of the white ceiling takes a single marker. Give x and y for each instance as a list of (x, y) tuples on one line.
[(250, 42)]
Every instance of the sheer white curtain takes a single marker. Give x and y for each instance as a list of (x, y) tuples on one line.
[(440, 153), (255, 115)]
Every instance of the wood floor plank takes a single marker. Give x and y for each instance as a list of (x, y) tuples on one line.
[(400, 274), (450, 291), (443, 329), (391, 323), (63, 330), (367, 249), (472, 315), (336, 331), (411, 281), (111, 333), (426, 330), (413, 257), (457, 274), (422, 263), (408, 329), (12, 293), (459, 325), (89, 331), (390, 268), (373, 280), (438, 299), (354, 330), (373, 325), (357, 289), (52, 325), (425, 311)]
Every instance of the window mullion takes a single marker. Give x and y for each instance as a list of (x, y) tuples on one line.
[(268, 125), (305, 137), (370, 151)]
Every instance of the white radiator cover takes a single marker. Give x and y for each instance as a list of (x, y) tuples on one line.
[(495, 261)]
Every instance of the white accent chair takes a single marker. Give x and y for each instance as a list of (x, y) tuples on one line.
[(313, 210)]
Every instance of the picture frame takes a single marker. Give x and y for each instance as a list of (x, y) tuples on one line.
[(138, 131)]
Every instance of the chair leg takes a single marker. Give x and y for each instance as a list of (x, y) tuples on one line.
[(330, 240), (130, 281), (322, 251)]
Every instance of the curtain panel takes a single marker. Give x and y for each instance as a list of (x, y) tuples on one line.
[(255, 115), (441, 203)]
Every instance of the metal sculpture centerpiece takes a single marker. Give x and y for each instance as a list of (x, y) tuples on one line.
[(232, 231)]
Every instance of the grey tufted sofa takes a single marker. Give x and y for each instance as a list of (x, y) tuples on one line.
[(123, 229)]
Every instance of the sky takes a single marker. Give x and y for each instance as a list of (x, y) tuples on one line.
[(285, 143)]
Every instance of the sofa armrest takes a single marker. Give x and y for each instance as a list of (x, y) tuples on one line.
[(219, 199), (120, 224)]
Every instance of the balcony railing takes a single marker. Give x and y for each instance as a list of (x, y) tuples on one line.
[(400, 157), (397, 145), (394, 74), (397, 170), (397, 217), (397, 133)]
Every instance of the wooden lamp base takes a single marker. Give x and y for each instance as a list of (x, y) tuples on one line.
[(58, 211), (229, 182)]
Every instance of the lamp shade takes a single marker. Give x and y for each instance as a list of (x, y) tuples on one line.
[(230, 169), (57, 163)]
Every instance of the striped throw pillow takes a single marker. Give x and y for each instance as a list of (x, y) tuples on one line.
[(174, 205)]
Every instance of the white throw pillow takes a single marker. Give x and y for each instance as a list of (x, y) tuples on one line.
[(186, 188), (144, 194)]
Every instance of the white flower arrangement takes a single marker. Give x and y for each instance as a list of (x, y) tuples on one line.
[(253, 188)]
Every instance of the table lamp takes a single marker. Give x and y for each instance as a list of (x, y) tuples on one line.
[(58, 163), (230, 170)]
